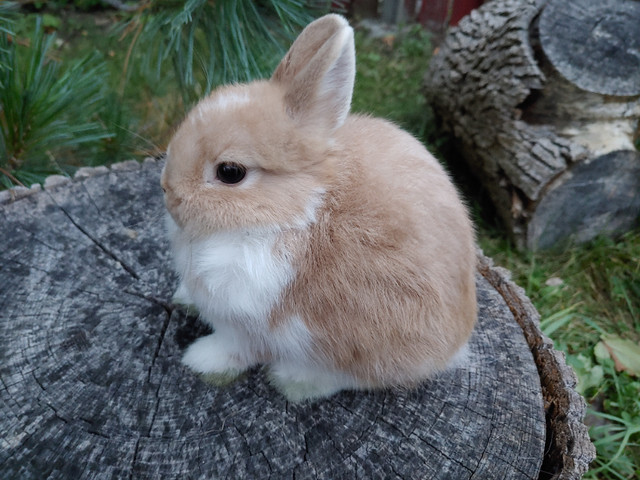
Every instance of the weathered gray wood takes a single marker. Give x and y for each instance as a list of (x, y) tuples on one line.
[(595, 45), (527, 132), (91, 385), (609, 200), (569, 450)]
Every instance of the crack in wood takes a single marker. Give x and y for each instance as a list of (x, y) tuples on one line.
[(33, 374), (134, 459), (93, 202), (396, 473), (163, 331), (22, 264), (36, 239), (390, 425), (92, 430), (484, 450), (168, 308), (268, 463), (244, 438), (99, 244), (155, 409), (444, 454), (55, 411), (306, 447)]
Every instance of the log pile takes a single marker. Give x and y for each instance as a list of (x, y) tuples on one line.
[(543, 98)]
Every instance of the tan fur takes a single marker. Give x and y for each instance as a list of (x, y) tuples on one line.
[(387, 279), (385, 271), (290, 164)]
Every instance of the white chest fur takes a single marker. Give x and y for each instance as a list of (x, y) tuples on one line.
[(234, 279), (232, 276)]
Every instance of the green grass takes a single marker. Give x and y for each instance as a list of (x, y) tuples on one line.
[(582, 292), (389, 78)]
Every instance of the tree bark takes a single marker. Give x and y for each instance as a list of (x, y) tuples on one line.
[(544, 98), (91, 384)]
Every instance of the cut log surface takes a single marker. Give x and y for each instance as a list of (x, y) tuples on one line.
[(528, 125), (591, 200), (595, 45), (91, 384)]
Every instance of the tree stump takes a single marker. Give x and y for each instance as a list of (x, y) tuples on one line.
[(91, 384), (544, 99)]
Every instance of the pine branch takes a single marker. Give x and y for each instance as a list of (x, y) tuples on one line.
[(125, 7), (211, 43)]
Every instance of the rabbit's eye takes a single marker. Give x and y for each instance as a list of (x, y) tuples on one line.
[(230, 172)]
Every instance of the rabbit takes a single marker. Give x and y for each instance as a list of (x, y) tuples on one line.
[(330, 247)]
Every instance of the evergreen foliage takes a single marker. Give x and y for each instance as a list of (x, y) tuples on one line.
[(7, 11), (44, 109), (211, 43), (49, 112)]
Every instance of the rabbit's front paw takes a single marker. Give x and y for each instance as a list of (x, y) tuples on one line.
[(214, 358)]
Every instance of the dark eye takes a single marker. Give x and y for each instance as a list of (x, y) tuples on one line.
[(230, 172)]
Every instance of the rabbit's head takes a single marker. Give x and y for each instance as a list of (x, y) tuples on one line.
[(259, 155)]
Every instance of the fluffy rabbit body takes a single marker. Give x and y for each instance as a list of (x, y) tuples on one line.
[(331, 247)]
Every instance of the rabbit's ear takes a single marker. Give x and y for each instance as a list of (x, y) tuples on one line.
[(318, 73)]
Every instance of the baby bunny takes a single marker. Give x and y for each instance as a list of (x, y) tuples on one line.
[(330, 247)]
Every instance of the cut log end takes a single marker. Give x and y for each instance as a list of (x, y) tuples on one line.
[(91, 384), (592, 198), (594, 43)]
